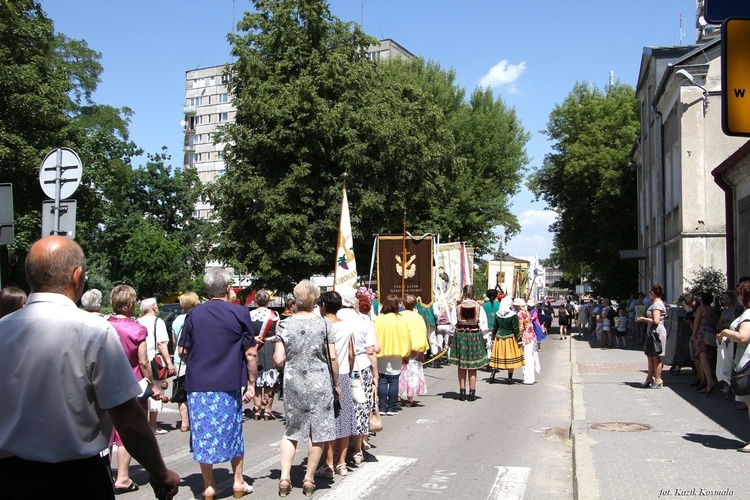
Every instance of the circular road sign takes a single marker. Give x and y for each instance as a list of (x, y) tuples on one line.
[(70, 173)]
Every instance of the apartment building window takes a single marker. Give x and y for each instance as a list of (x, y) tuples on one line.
[(196, 101), (194, 158), (212, 80), (199, 83), (226, 79), (223, 117), (223, 98), (196, 213)]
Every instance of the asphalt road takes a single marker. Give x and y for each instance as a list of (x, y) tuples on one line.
[(511, 443)]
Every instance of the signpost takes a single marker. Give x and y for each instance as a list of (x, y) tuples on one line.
[(64, 216), (735, 81), (7, 232), (60, 176)]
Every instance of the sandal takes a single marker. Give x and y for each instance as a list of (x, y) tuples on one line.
[(246, 490), (308, 487), (257, 411), (358, 457), (285, 490), (341, 469), (269, 416)]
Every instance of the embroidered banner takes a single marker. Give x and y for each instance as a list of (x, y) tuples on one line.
[(417, 270)]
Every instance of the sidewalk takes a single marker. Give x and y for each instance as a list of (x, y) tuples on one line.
[(688, 450)]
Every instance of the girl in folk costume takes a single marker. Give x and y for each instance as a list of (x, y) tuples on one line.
[(506, 353), (491, 307), (530, 353), (468, 348)]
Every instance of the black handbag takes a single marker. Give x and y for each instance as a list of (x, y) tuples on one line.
[(178, 390), (336, 401), (652, 346), (740, 379)]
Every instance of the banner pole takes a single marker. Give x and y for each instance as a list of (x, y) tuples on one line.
[(403, 259), (372, 260)]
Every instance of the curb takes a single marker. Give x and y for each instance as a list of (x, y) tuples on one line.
[(585, 486)]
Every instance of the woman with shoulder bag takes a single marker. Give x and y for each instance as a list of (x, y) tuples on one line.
[(739, 332), (264, 322), (656, 337), (302, 353), (188, 301)]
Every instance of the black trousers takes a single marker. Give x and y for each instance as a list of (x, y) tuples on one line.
[(87, 478)]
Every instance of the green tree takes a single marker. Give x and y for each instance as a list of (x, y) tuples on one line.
[(154, 245), (589, 180), (311, 106), (46, 83)]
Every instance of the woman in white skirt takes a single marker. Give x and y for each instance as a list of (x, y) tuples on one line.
[(530, 353)]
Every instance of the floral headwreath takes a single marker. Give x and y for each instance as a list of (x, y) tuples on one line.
[(366, 292)]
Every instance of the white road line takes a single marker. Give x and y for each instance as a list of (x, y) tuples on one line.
[(367, 478), (426, 421), (510, 483)]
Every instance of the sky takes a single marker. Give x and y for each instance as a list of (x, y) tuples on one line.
[(530, 53)]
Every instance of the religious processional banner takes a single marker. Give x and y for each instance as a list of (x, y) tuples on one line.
[(345, 272), (417, 270), (455, 265)]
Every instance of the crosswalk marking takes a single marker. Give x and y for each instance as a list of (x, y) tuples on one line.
[(368, 478), (510, 483)]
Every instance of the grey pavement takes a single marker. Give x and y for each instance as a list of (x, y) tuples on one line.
[(687, 449)]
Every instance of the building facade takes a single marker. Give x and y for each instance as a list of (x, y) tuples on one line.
[(681, 211)]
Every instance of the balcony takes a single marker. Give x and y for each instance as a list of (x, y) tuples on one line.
[(190, 110), (189, 147)]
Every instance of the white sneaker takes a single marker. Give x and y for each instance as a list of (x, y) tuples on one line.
[(159, 432), (390, 413)]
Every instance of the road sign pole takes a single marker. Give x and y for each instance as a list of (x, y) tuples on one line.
[(58, 183)]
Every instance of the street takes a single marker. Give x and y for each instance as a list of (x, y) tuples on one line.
[(586, 430), (510, 443)]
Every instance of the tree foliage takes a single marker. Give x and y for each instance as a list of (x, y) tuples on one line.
[(706, 280), (311, 107), (589, 180), (47, 81)]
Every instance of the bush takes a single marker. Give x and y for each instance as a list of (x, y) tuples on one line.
[(708, 279)]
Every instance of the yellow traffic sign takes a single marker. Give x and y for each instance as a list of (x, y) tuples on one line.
[(735, 77)]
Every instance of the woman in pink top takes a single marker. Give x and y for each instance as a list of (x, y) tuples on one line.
[(133, 339)]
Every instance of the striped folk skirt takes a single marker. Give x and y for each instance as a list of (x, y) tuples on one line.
[(506, 354)]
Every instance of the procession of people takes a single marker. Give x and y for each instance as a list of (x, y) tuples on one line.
[(340, 365)]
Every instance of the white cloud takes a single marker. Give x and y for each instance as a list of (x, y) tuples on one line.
[(503, 74), (537, 218), (530, 244)]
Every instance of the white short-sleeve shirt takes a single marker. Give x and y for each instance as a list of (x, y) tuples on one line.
[(60, 369)]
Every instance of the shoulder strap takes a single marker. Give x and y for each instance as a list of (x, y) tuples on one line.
[(267, 324), (328, 357), (155, 321)]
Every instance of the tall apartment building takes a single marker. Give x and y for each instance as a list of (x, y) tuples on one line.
[(208, 105)]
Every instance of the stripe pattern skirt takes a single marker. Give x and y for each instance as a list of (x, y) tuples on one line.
[(506, 354)]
